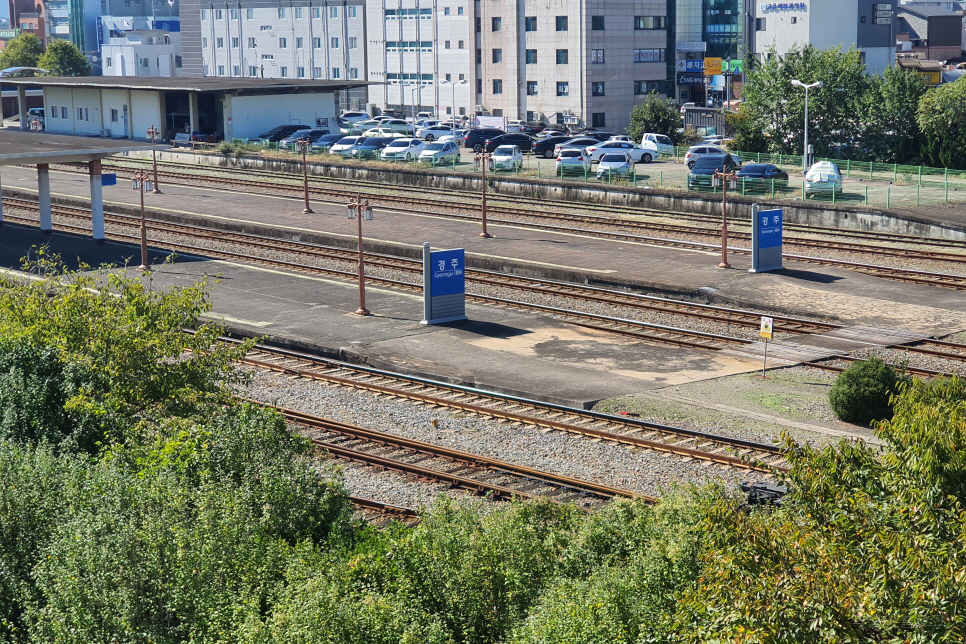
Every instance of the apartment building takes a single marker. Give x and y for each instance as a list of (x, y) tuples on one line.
[(139, 46)]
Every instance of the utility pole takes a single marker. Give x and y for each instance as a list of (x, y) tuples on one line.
[(152, 134), (304, 143), (483, 158), (360, 209), (138, 184), (724, 176)]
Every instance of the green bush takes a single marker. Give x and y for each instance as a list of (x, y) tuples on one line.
[(862, 393)]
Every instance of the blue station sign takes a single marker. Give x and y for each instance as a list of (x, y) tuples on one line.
[(766, 240), (448, 272)]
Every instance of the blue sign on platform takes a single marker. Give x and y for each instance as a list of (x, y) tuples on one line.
[(447, 270), (766, 240), (109, 179), (444, 285)]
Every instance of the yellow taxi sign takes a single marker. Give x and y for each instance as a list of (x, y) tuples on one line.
[(712, 66), (766, 327)]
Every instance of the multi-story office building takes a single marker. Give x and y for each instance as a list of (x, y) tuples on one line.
[(140, 46)]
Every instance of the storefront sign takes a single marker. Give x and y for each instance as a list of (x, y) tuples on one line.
[(783, 6), (690, 78), (692, 46), (712, 66)]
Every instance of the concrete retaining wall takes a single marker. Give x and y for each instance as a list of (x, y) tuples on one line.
[(840, 217)]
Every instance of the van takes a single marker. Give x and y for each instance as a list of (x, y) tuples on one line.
[(659, 143)]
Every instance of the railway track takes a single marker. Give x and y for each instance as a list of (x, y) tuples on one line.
[(642, 330), (623, 229), (378, 513)]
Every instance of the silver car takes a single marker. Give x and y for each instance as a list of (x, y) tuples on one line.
[(696, 152), (573, 160), (614, 164), (440, 152)]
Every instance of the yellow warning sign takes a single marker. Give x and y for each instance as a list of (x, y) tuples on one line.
[(712, 66), (766, 327)]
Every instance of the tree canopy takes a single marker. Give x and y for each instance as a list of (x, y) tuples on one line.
[(23, 51), (64, 58), (657, 115), (940, 117)]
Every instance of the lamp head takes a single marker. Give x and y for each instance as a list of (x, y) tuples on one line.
[(797, 83), (817, 84)]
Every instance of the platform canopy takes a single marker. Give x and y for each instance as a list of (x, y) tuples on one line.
[(29, 148), (230, 86)]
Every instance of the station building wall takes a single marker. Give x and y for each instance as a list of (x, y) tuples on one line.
[(253, 115), (88, 111)]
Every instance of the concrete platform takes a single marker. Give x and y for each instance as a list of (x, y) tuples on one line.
[(805, 289), (497, 349)]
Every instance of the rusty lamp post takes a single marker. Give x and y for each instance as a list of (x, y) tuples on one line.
[(724, 177), (153, 133), (137, 182), (360, 209), (304, 144), (482, 159)]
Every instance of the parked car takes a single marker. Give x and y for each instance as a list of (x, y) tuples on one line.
[(424, 115), (696, 152), (478, 136), (687, 105), (659, 143), (281, 132), (354, 116), (763, 172), (572, 160), (457, 136), (440, 152), (636, 152), (36, 114), (522, 141), (579, 143), (823, 176), (346, 142), (594, 134), (288, 143), (434, 132), (703, 170), (506, 157), (620, 137), (392, 126), (403, 150), (370, 148), (393, 114), (614, 164), (327, 141), (531, 128), (545, 147)]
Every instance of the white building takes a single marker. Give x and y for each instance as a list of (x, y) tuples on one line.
[(140, 46)]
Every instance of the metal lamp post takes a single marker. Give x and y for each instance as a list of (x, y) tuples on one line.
[(815, 85), (360, 209), (304, 143), (137, 182), (724, 177), (453, 84), (412, 99), (483, 158), (152, 134)]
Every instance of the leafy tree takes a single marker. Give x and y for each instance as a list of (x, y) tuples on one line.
[(64, 58), (748, 136), (23, 51), (891, 133), (940, 117), (862, 393), (658, 115), (777, 108)]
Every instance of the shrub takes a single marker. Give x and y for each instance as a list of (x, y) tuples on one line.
[(862, 393)]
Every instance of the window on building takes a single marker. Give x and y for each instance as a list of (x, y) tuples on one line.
[(597, 89), (561, 23), (204, 43), (249, 14), (563, 56), (640, 88), (353, 42), (299, 43), (145, 63), (316, 12), (759, 24), (596, 56), (479, 56), (449, 77), (63, 112), (204, 16), (206, 67), (479, 85), (862, 19), (462, 76), (301, 72), (281, 13), (221, 70), (497, 86), (497, 24), (218, 14), (354, 73), (563, 88), (531, 56), (497, 55), (317, 43), (531, 88), (459, 11), (351, 12), (597, 23), (460, 45), (333, 12), (648, 55), (795, 20), (530, 23), (235, 70), (478, 22), (253, 71), (449, 109), (650, 22), (597, 119), (264, 27), (252, 43), (283, 72), (233, 14), (446, 11), (108, 62), (268, 56), (531, 116), (316, 72), (283, 43), (298, 13), (114, 115), (334, 43), (219, 42), (336, 72), (446, 44), (234, 43)]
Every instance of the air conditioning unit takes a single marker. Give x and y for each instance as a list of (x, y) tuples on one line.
[(480, 108), (567, 113), (106, 133)]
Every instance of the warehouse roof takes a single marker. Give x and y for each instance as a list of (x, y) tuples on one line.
[(926, 11), (220, 85)]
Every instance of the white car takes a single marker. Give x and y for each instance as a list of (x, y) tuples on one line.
[(506, 157), (354, 116), (388, 134), (614, 164), (514, 125), (573, 160), (403, 150), (659, 143), (457, 137), (343, 144), (434, 132), (635, 152), (620, 137), (696, 152), (440, 152)]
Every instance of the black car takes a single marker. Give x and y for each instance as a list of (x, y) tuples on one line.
[(531, 128), (476, 137), (762, 172), (370, 147), (544, 147), (523, 141), (594, 134), (282, 132), (703, 170), (327, 140)]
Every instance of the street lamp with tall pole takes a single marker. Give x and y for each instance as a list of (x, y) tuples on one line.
[(453, 84), (304, 143), (360, 209), (138, 180), (152, 133), (483, 157), (815, 85), (412, 99)]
